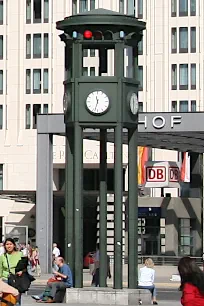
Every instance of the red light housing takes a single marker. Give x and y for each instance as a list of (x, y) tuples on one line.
[(88, 34)]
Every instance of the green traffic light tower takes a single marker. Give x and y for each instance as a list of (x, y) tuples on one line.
[(106, 101)]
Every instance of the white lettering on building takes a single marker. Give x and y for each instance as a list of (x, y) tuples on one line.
[(159, 122)]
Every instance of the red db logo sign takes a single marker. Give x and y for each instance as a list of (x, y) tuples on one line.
[(174, 174), (155, 174)]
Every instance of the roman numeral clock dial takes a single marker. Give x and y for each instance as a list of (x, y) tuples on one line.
[(97, 102)]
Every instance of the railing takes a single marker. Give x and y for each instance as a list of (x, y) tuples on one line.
[(160, 260)]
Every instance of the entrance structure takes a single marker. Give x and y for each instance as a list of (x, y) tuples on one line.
[(101, 102)]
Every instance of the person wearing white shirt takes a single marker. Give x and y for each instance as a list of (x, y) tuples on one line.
[(146, 279), (56, 251)]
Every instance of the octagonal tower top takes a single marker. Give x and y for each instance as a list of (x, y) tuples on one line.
[(101, 19)]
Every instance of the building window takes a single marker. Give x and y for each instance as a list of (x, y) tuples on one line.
[(140, 47), (45, 81), (174, 77), (92, 52), (36, 111), (193, 76), (46, 46), (92, 4), (185, 237), (83, 6), (28, 46), (28, 11), (36, 81), (183, 76), (85, 53), (1, 46), (193, 106), (1, 82), (173, 40), (121, 6), (92, 71), (193, 40), (74, 7), (131, 7), (183, 106), (1, 176), (85, 71), (1, 12), (37, 11), (174, 106), (45, 108), (28, 116), (140, 9), (46, 11), (1, 117), (140, 109), (183, 40), (37, 46), (173, 8), (140, 77), (28, 81), (183, 7), (193, 7)]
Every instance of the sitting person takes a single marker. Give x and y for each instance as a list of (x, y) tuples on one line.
[(63, 280), (8, 294), (146, 279)]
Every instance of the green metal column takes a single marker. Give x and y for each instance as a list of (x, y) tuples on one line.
[(132, 209), (69, 198), (118, 187), (103, 209), (78, 205)]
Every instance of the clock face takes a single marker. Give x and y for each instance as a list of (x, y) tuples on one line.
[(134, 105), (66, 101), (97, 102)]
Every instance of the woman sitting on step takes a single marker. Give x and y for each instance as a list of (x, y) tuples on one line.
[(146, 279)]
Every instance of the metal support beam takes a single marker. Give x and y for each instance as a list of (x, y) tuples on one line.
[(78, 205), (132, 209), (69, 198), (103, 209), (44, 200), (118, 204)]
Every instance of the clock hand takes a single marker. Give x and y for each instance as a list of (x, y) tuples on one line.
[(96, 103)]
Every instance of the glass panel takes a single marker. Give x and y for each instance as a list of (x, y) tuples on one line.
[(45, 108), (36, 81), (140, 77), (140, 47), (85, 71), (37, 45), (193, 76), (1, 177), (92, 4), (28, 11), (36, 111), (1, 82), (183, 7), (173, 40), (92, 71), (46, 11), (1, 46), (121, 6), (83, 6), (140, 109), (193, 106), (193, 39), (46, 45), (74, 7), (131, 7), (37, 11), (85, 52), (1, 12), (140, 8), (45, 81), (183, 106), (183, 40), (28, 46), (173, 8), (183, 76), (174, 76), (28, 116), (92, 52), (28, 81), (1, 117), (193, 7), (174, 106)]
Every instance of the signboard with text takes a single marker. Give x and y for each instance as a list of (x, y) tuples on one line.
[(162, 174)]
